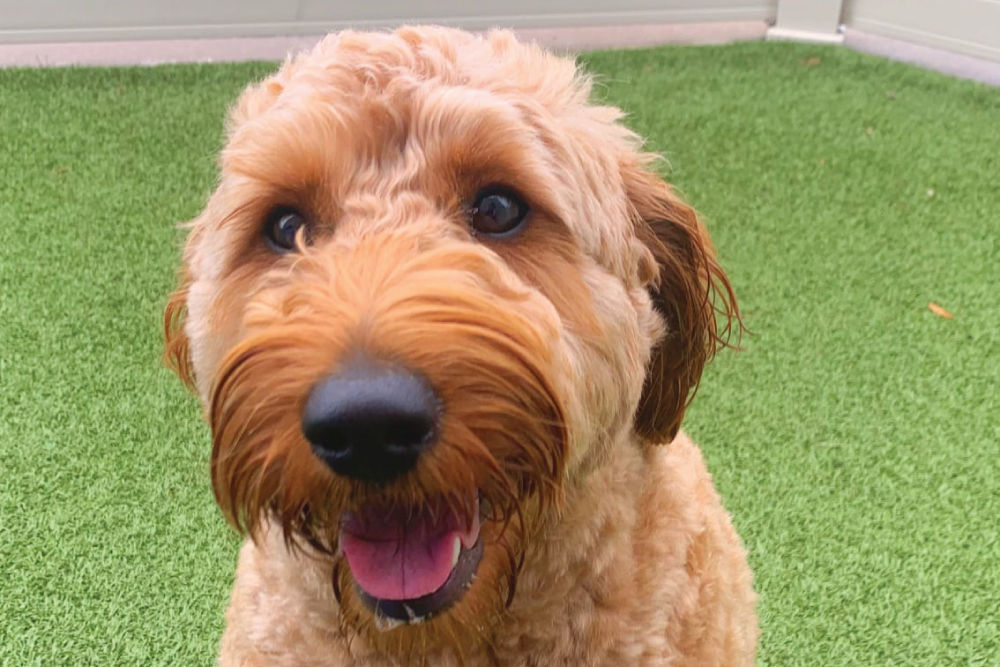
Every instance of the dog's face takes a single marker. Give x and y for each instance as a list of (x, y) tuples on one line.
[(433, 290)]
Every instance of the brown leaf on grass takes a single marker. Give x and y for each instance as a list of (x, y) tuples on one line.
[(870, 131), (810, 62), (939, 311)]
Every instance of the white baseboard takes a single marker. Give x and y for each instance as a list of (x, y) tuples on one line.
[(939, 60), (784, 34)]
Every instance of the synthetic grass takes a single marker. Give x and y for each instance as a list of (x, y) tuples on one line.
[(855, 439)]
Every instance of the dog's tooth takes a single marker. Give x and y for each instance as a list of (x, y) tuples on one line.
[(384, 623), (471, 533), (456, 550), (412, 616)]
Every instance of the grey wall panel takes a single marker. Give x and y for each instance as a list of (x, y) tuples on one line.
[(971, 27), (86, 20), (525, 13), (93, 14), (811, 16)]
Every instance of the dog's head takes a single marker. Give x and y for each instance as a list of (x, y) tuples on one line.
[(433, 289)]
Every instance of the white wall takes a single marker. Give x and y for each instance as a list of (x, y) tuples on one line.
[(88, 20), (971, 27)]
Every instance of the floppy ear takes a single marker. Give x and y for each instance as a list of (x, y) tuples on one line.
[(176, 350), (689, 291)]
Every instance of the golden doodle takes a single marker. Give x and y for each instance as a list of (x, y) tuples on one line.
[(444, 321)]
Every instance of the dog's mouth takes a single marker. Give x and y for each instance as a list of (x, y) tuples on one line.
[(410, 564)]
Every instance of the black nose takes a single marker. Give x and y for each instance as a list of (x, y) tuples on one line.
[(371, 421)]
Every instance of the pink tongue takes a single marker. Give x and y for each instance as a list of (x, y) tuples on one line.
[(394, 556)]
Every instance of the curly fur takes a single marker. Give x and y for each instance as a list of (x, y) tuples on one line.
[(564, 357)]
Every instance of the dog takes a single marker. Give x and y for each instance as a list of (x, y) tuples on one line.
[(444, 320)]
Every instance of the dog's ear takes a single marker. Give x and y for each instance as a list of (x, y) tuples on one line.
[(689, 291), (255, 100), (176, 349)]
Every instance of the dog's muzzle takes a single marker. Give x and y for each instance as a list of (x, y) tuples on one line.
[(370, 422)]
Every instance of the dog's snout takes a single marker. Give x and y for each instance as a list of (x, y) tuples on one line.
[(371, 421)]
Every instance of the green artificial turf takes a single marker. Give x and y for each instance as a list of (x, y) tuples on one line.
[(855, 439)]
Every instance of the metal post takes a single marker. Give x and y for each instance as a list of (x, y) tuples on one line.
[(808, 21)]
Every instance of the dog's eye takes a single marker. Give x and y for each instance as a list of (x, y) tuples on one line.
[(283, 227), (498, 211)]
